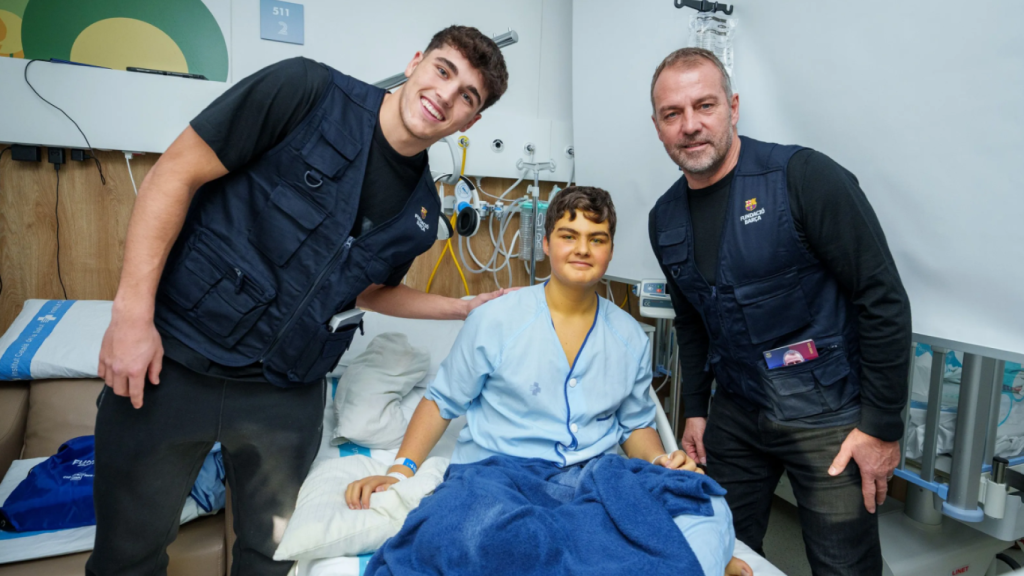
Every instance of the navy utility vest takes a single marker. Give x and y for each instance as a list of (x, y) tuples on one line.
[(265, 257), (770, 292)]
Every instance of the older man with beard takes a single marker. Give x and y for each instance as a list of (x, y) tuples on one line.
[(767, 248)]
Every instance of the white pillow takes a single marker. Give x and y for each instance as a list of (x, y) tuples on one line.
[(436, 336), (369, 396), (324, 527), (54, 339)]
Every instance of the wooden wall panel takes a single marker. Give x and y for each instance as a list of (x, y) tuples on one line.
[(93, 223)]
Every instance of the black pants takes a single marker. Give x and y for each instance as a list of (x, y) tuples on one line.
[(747, 453), (147, 461)]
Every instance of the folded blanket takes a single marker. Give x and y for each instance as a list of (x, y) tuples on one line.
[(512, 516)]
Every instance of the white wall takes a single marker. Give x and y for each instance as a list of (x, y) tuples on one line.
[(117, 110), (922, 100), (369, 40)]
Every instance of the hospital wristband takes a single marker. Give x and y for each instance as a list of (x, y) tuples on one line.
[(656, 458), (407, 463), (398, 475)]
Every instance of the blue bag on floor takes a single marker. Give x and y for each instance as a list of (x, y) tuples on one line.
[(57, 493)]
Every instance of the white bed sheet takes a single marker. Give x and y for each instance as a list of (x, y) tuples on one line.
[(354, 566)]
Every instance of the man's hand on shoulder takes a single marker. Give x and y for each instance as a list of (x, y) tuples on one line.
[(484, 298), (876, 459)]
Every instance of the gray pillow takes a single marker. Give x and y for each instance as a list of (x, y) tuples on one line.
[(367, 401)]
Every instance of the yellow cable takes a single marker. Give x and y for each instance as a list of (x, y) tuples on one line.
[(625, 299), (449, 250), (430, 281), (456, 260), (464, 144)]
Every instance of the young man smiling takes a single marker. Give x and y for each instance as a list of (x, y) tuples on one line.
[(296, 195)]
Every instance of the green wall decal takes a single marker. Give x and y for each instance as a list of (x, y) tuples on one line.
[(10, 28), (120, 33), (16, 7)]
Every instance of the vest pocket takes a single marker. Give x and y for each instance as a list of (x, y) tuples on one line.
[(773, 307), (222, 299), (377, 270), (328, 153), (322, 353), (674, 249), (285, 223), (813, 387)]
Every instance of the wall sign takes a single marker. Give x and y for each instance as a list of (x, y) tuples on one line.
[(281, 21)]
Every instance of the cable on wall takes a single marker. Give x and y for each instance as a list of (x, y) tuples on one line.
[(128, 161), (92, 156), (56, 215)]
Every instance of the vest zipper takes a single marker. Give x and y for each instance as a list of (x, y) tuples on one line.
[(337, 257)]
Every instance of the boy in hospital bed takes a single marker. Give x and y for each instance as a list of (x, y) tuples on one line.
[(550, 378)]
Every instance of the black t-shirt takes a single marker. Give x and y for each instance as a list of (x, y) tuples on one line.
[(707, 212), (836, 223), (258, 113)]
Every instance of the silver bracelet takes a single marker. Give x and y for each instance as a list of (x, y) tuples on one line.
[(655, 460)]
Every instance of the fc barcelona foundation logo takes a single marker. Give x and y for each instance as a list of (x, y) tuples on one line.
[(753, 213), (420, 220)]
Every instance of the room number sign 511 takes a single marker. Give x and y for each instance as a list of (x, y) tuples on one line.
[(281, 21)]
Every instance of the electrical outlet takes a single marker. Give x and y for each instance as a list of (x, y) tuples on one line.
[(23, 153), (56, 156)]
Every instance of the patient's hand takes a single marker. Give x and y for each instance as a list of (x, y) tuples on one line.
[(737, 567), (358, 493), (678, 460)]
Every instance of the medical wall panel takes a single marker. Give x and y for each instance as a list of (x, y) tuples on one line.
[(923, 101)]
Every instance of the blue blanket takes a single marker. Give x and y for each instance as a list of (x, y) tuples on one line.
[(512, 516)]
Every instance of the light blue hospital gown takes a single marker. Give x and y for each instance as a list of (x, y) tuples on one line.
[(508, 374)]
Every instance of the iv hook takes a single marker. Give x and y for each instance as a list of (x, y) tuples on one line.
[(705, 6)]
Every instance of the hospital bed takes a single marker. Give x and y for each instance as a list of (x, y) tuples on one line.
[(437, 337)]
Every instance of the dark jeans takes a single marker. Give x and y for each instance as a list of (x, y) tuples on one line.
[(147, 461), (747, 453)]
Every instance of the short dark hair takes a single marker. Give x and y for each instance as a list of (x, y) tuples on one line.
[(482, 53), (595, 204), (690, 58)]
